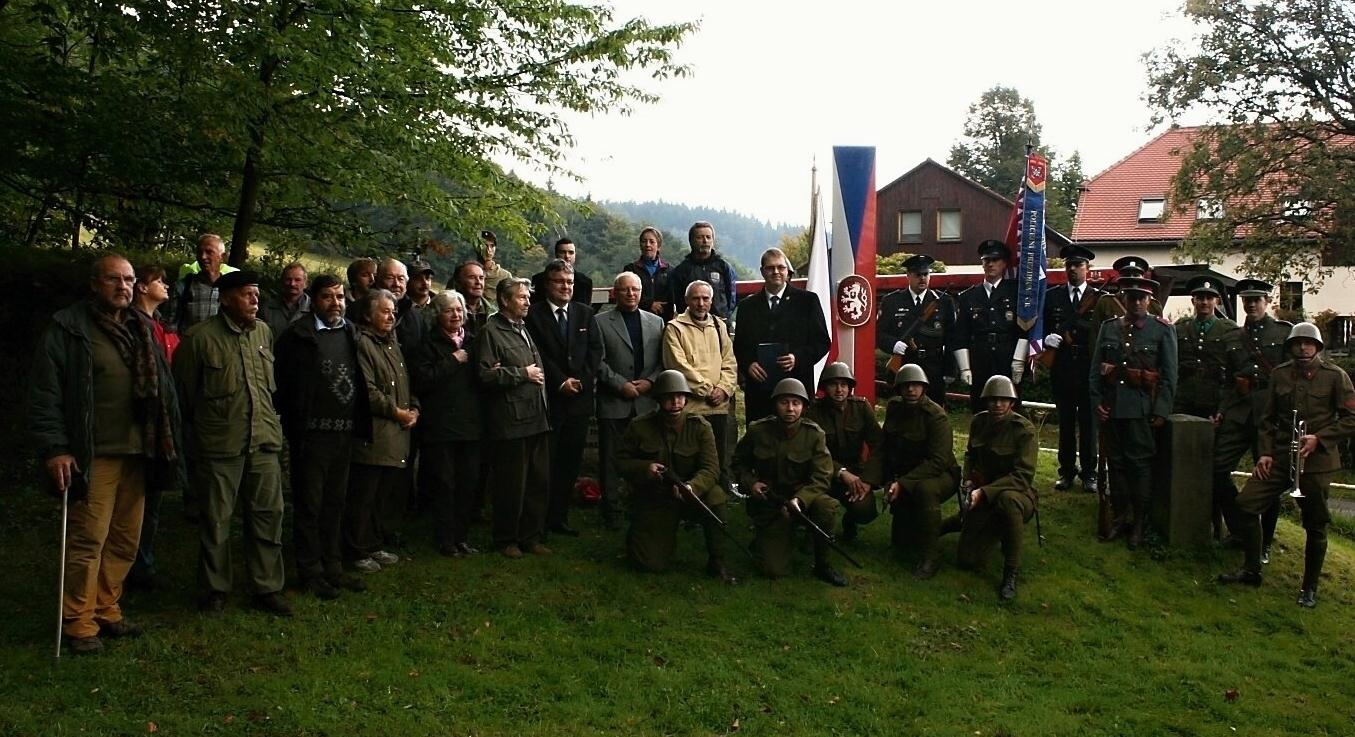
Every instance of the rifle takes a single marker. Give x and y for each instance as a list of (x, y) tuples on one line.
[(895, 360), (1046, 357), (829, 539), (686, 492), (1103, 511)]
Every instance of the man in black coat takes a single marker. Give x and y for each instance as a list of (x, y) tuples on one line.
[(987, 341), (566, 251), (567, 335), (1069, 335), (781, 333), (914, 325)]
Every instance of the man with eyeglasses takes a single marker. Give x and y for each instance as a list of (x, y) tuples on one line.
[(566, 334), (781, 334), (566, 251)]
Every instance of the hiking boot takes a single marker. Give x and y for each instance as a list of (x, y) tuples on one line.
[(213, 602), (274, 603), (512, 551), (1242, 576), (346, 582), (467, 549), (1307, 598), (320, 588), (1006, 591), (538, 549), (385, 559), (828, 574), (367, 565), (122, 628), (85, 645), (1064, 483), (716, 569), (926, 569), (1089, 485)]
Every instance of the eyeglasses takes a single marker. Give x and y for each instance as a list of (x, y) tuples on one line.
[(776, 267), (562, 281)]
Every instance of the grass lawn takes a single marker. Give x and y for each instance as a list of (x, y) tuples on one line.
[(1100, 641)]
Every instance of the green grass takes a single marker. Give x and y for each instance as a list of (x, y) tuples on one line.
[(1100, 641)]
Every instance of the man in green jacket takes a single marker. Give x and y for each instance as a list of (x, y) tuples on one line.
[(853, 437), (1318, 393), (783, 462), (224, 370), (653, 444), (918, 460), (97, 367)]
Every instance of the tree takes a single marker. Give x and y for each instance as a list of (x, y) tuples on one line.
[(1062, 194), (1278, 159), (796, 248), (297, 120)]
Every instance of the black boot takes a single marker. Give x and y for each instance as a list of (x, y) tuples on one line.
[(1242, 576), (1006, 591), (822, 570), (715, 567), (1136, 529), (927, 568), (1314, 554)]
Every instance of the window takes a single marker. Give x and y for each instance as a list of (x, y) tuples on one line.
[(1208, 209), (948, 225), (1151, 208), (1291, 297), (910, 226), (1297, 209)]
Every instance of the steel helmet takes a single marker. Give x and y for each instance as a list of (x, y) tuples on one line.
[(911, 374), (998, 387), (837, 371), (792, 387), (671, 382), (1304, 330)]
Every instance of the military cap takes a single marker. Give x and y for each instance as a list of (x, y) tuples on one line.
[(919, 264), (237, 279), (994, 249), (1253, 288), (837, 371), (1137, 284), (1074, 253), (421, 267), (1127, 264), (1204, 284)]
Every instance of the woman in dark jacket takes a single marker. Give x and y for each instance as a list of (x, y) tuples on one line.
[(445, 381)]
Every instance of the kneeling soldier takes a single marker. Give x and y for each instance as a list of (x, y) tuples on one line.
[(657, 448), (918, 457), (853, 437), (784, 462), (999, 472), (1322, 395)]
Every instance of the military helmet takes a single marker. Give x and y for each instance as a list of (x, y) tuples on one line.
[(837, 371), (671, 382), (911, 374), (998, 387), (1304, 330), (792, 387)]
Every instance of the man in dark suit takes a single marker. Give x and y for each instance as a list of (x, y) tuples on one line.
[(631, 341), (914, 325), (781, 334), (567, 335), (566, 251), (987, 341), (1069, 337)]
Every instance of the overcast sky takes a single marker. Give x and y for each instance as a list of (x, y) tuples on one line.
[(775, 83)]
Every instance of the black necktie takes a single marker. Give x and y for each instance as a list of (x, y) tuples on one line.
[(564, 324), (776, 302)]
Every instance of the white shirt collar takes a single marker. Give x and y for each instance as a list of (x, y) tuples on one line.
[(778, 295), (320, 324)]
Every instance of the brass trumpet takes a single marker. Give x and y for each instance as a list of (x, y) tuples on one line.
[(1298, 428)]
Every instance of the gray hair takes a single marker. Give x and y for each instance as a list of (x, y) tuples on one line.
[(371, 298), (698, 283), (443, 300), (507, 286), (631, 274)]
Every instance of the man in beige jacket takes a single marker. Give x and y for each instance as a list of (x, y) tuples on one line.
[(697, 343)]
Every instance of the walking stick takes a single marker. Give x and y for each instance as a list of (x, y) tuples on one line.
[(61, 575)]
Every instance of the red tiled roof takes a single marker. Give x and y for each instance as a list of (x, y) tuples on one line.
[(1109, 207)]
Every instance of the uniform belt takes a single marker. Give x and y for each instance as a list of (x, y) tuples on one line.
[(992, 338)]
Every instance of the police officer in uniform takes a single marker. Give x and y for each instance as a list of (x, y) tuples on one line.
[(1070, 334), (918, 459), (1263, 338), (999, 473), (987, 341), (1322, 395), (1209, 351), (783, 461), (1133, 385), (1111, 303), (669, 438), (929, 315), (853, 437)]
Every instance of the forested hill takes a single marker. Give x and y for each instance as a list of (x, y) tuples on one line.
[(737, 235)]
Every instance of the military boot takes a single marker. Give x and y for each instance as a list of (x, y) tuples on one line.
[(1314, 554), (822, 570), (1006, 591), (715, 568)]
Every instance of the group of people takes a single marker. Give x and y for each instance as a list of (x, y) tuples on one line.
[(382, 395)]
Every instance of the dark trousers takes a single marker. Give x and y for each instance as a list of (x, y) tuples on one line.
[(609, 434), (319, 471), (719, 425), (998, 520), (987, 360), (568, 437), (521, 491), (393, 505), (144, 565), (1259, 495), (757, 404), (367, 485), (1077, 425), (452, 471)]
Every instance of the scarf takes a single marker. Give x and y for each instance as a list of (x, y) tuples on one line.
[(136, 346)]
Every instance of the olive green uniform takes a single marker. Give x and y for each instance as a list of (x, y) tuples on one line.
[(1245, 401), (793, 461), (655, 512), (1133, 374), (853, 437), (225, 378), (1209, 354), (1110, 306), (1000, 459), (1325, 400), (919, 453)]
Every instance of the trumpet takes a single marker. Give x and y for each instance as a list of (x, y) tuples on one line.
[(1298, 428)]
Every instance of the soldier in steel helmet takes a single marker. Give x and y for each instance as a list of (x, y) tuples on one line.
[(1321, 394), (671, 439), (853, 436), (999, 473), (918, 462), (783, 462)]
